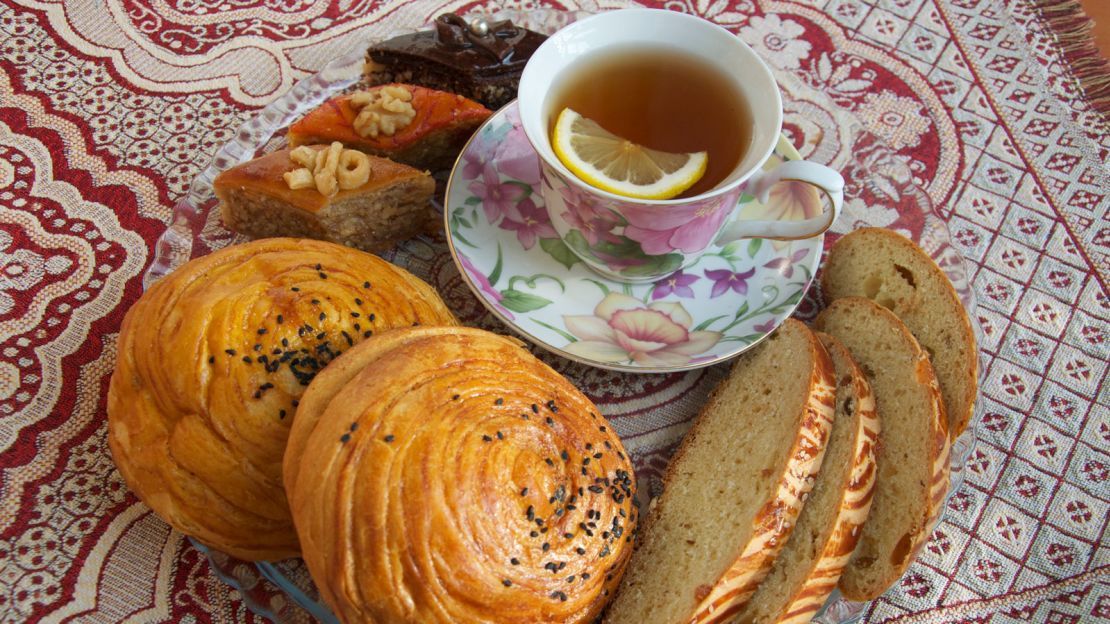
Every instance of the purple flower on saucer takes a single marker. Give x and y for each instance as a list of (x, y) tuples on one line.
[(677, 283), (724, 279)]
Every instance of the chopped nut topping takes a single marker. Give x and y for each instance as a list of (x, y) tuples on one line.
[(299, 179), (304, 156), (384, 111), (328, 170), (354, 169), (327, 166)]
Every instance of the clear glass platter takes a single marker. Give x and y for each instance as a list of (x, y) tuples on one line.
[(880, 191)]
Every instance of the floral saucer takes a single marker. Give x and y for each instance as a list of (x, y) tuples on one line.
[(508, 253)]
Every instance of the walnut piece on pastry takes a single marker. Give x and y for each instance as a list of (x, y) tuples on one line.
[(447, 475), (413, 125), (383, 111), (327, 192), (212, 362)]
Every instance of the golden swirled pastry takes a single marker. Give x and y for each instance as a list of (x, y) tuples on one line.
[(212, 362), (447, 475)]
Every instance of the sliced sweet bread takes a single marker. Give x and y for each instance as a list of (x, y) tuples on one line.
[(734, 487), (912, 459), (894, 272), (828, 528)]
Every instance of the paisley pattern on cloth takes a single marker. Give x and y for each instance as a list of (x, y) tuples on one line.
[(109, 109)]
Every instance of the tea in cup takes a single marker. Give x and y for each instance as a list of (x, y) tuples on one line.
[(668, 107)]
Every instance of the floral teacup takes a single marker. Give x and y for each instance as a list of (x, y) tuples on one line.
[(634, 240)]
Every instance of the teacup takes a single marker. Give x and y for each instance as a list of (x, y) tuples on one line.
[(640, 240)]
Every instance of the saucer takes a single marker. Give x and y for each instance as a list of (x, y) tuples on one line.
[(509, 255)]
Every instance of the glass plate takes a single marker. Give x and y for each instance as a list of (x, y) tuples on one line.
[(880, 191)]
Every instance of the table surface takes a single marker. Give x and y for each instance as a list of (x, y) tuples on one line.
[(108, 109), (1099, 12)]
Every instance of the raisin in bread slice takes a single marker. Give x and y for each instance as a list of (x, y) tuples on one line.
[(735, 486), (912, 460), (891, 270), (829, 526)]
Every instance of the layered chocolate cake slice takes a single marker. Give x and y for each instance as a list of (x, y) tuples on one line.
[(480, 60)]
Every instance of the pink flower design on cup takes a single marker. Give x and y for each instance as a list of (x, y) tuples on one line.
[(497, 197), (686, 228), (623, 328), (588, 215), (529, 222)]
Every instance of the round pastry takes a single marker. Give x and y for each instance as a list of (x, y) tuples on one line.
[(212, 362), (447, 475)]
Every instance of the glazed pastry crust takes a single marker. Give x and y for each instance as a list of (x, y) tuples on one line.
[(437, 463), (198, 415), (432, 140)]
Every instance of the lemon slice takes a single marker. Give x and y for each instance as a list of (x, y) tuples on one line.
[(605, 160)]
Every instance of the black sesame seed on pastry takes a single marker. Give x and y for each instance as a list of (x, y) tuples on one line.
[(447, 475), (212, 362)]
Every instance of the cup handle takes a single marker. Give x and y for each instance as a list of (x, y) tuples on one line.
[(760, 185)]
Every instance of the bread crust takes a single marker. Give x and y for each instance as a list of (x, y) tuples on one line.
[(809, 566), (775, 519), (877, 543), (327, 384), (198, 415), (854, 503), (456, 478), (910, 286)]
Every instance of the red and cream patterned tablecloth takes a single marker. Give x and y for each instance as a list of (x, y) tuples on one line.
[(109, 108)]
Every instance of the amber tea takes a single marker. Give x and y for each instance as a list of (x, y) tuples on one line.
[(664, 99)]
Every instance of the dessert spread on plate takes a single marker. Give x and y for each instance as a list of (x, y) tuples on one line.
[(290, 396)]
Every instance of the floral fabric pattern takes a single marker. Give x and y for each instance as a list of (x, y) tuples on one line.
[(781, 40), (899, 120)]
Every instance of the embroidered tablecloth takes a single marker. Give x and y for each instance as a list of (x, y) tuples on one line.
[(109, 108)]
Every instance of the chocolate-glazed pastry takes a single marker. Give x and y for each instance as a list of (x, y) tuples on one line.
[(480, 60)]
